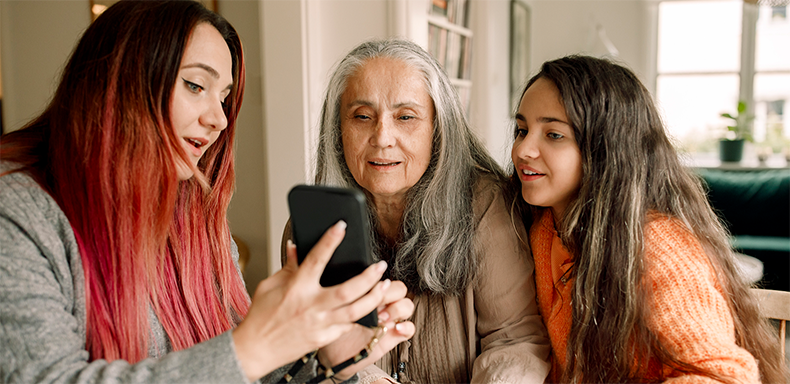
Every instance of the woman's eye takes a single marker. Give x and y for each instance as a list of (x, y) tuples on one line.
[(405, 118), (192, 86), (520, 132), (555, 136), (362, 117)]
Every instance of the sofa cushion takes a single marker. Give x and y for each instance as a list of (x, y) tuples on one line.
[(754, 203)]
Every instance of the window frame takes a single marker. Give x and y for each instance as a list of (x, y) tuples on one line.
[(748, 56)]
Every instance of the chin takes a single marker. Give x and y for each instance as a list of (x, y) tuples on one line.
[(184, 172), (533, 202), (185, 176)]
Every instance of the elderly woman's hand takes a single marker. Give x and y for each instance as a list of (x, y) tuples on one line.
[(392, 315), (292, 314)]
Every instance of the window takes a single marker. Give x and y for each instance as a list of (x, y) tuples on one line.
[(711, 54), (779, 12)]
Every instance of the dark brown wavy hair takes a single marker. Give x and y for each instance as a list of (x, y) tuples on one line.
[(630, 168)]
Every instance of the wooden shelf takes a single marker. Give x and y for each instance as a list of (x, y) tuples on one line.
[(450, 42), (461, 83), (442, 22)]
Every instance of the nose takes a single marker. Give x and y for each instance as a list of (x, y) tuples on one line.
[(526, 148), (383, 134), (214, 116)]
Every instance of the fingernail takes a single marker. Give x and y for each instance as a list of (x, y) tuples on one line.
[(290, 244), (381, 266), (340, 227), (400, 327), (383, 317), (385, 284)]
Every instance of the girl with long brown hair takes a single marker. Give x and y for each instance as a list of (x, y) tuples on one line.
[(635, 277), (117, 263)]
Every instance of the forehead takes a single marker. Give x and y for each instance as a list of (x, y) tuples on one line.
[(386, 77), (206, 46), (542, 94)]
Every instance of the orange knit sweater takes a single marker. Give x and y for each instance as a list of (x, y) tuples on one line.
[(690, 315)]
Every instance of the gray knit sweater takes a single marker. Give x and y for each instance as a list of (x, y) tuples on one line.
[(42, 307)]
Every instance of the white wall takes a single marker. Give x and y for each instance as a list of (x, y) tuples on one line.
[(562, 27), (333, 28), (490, 101), (38, 37), (248, 211)]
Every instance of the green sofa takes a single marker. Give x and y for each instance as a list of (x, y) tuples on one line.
[(755, 207)]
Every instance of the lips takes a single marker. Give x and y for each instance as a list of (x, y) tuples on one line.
[(194, 145), (528, 173), (383, 163)]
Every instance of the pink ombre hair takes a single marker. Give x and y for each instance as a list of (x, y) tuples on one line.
[(105, 150)]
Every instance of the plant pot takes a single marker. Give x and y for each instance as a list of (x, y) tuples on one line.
[(730, 151)]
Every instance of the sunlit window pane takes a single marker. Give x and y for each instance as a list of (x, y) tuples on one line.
[(699, 36), (772, 117), (773, 40), (691, 105)]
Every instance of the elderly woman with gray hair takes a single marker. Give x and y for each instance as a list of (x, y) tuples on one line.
[(392, 126)]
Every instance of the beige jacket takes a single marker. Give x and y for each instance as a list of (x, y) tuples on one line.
[(491, 334)]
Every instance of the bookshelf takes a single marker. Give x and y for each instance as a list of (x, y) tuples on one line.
[(450, 42)]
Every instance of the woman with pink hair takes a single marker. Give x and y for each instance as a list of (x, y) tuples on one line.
[(117, 263)]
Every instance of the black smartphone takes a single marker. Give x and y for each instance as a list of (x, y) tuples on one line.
[(314, 209)]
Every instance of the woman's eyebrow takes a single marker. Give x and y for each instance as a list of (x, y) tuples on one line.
[(544, 119), (211, 71), (360, 102), (548, 119), (407, 104)]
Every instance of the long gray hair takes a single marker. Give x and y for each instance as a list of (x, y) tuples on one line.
[(435, 250)]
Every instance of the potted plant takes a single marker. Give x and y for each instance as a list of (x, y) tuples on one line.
[(738, 132)]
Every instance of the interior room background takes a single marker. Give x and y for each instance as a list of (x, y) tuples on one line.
[(692, 58)]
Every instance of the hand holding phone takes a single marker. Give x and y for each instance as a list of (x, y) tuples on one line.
[(316, 208)]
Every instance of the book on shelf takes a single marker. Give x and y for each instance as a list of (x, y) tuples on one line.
[(454, 10), (433, 40), (453, 63), (452, 50), (465, 71), (451, 45), (441, 48), (437, 42), (439, 7), (465, 96), (461, 7)]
